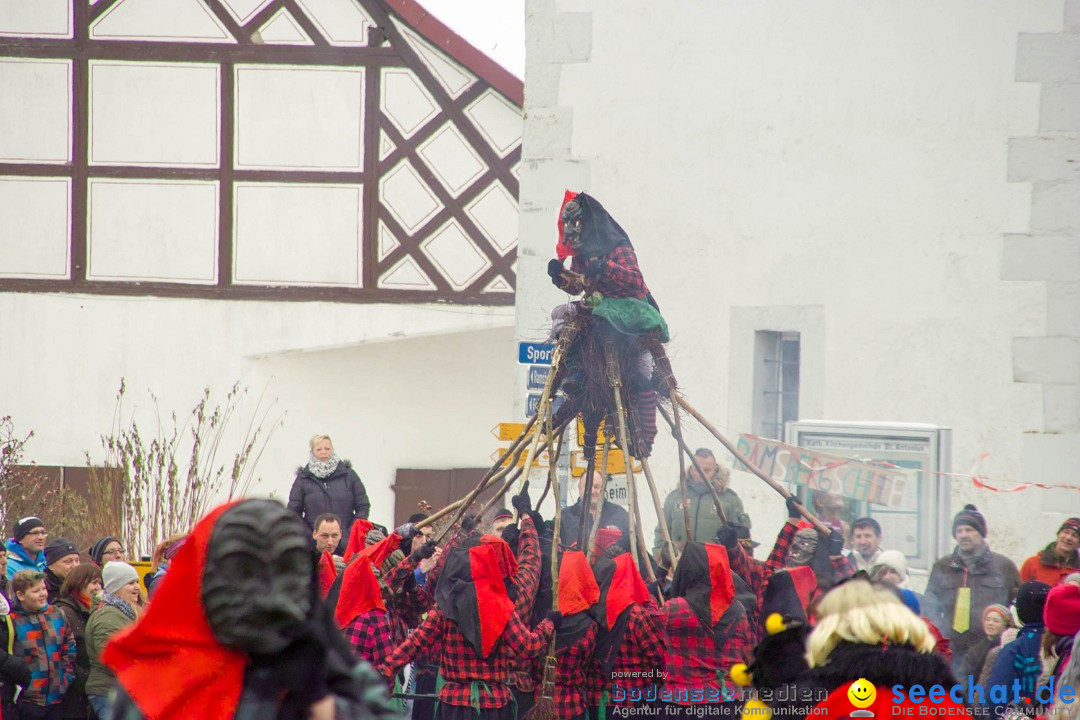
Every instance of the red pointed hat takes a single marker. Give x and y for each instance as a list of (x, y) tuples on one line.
[(360, 593), (376, 553), (578, 590), (359, 531), (562, 248), (170, 663), (703, 579), (327, 572), (472, 593), (503, 553), (620, 587)]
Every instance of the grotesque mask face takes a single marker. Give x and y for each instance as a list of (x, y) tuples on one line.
[(257, 583), (802, 548), (571, 220)]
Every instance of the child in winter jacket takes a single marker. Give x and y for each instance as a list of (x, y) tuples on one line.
[(44, 643)]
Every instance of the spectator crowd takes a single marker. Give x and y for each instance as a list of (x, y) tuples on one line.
[(315, 610)]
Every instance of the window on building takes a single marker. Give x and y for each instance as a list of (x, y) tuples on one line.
[(776, 382)]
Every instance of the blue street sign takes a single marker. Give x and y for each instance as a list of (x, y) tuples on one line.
[(532, 353), (538, 376), (532, 404)]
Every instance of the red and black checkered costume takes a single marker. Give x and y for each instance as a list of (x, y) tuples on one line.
[(620, 278), (408, 600), (371, 636), (642, 650), (572, 670), (460, 664), (691, 656), (526, 583)]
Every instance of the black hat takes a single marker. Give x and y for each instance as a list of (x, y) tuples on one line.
[(503, 513), (970, 516), (1072, 524), (59, 548), (743, 533), (1030, 599), (417, 517), (97, 550), (24, 526)]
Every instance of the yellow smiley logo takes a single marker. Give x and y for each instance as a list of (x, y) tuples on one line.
[(862, 693)]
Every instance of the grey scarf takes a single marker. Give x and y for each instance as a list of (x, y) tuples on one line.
[(122, 605), (322, 469)]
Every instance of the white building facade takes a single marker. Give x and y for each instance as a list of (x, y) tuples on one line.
[(314, 198)]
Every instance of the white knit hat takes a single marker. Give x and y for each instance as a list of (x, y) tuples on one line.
[(116, 575), (895, 560)]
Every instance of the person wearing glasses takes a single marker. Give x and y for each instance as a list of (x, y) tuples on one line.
[(107, 549), (26, 548)]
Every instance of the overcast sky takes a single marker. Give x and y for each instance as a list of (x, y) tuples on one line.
[(495, 26)]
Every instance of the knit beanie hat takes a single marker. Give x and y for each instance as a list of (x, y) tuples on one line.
[(24, 526), (1030, 599), (59, 548), (116, 575), (97, 550), (1062, 610), (970, 516), (1072, 524), (1001, 610), (893, 559)]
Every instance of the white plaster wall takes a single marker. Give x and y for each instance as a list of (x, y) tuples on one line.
[(395, 386), (845, 156)]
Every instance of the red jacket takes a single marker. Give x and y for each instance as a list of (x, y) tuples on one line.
[(1046, 567)]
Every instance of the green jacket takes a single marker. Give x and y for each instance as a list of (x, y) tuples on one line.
[(104, 622), (704, 521)]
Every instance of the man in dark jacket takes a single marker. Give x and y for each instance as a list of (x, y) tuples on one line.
[(61, 557), (612, 516), (970, 579), (328, 484)]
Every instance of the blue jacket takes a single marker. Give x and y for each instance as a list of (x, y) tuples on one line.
[(19, 560), (45, 642), (1020, 660)]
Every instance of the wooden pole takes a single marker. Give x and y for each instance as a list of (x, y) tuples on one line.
[(603, 493), (818, 525), (673, 556), (701, 473), (520, 471), (636, 536), (690, 536), (436, 516)]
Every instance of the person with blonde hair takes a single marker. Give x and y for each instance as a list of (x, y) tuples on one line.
[(328, 484), (863, 630)]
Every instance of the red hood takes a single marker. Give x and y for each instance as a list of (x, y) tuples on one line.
[(359, 593), (170, 663), (357, 534), (578, 590)]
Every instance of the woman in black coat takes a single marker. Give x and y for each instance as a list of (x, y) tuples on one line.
[(328, 484)]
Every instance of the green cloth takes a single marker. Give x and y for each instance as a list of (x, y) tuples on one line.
[(704, 522), (104, 622), (629, 315)]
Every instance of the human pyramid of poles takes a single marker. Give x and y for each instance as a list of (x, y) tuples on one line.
[(539, 435)]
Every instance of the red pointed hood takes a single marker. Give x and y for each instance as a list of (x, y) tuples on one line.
[(562, 248), (578, 590), (703, 578), (327, 573), (722, 586), (377, 553), (359, 531), (620, 587), (359, 593), (170, 663), (503, 553)]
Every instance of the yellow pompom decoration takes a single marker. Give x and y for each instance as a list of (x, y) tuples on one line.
[(740, 675), (775, 624), (756, 710)]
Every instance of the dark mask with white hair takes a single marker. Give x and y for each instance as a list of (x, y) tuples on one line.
[(257, 582)]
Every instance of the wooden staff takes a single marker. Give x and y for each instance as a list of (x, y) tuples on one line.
[(544, 709), (818, 525), (603, 493), (673, 557), (513, 452), (436, 516), (677, 434), (682, 469), (636, 536), (525, 469)]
